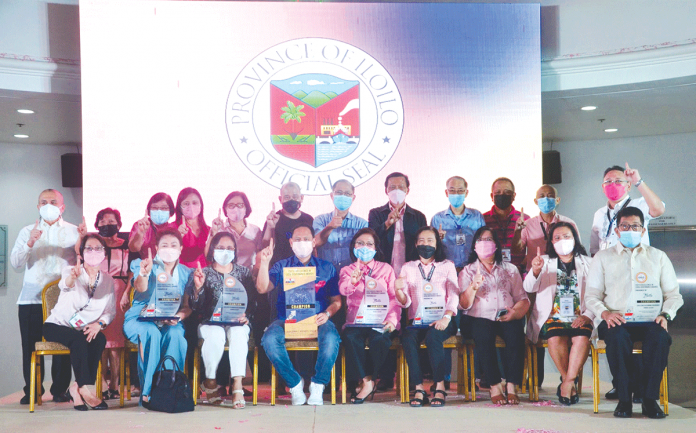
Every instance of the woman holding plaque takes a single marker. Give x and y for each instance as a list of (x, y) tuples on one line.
[(559, 314), (430, 281), (154, 320), (495, 304), (209, 293), (367, 278)]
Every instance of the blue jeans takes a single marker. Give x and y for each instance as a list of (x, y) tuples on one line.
[(273, 343)]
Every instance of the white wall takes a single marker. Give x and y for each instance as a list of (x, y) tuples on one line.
[(665, 162), (25, 171)]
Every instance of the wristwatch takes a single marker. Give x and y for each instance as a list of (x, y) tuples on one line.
[(102, 324), (328, 315), (637, 184), (666, 316), (448, 316)]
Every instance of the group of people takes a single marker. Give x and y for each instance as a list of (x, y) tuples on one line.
[(484, 275)]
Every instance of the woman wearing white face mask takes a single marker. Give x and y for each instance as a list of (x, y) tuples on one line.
[(203, 294), (494, 303), (192, 226), (86, 305), (559, 314), (232, 218), (156, 339)]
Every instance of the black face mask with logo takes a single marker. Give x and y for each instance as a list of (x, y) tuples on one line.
[(502, 201), (291, 206)]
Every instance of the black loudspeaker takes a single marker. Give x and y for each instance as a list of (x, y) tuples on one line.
[(551, 163), (71, 169)]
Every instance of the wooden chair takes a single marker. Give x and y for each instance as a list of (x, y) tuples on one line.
[(396, 345), (599, 346), (302, 346), (254, 373), (500, 343), (533, 369), (49, 298), (457, 343)]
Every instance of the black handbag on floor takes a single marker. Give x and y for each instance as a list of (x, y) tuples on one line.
[(171, 391)]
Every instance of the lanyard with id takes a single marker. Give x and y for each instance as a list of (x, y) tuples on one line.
[(432, 303), (76, 321), (604, 244)]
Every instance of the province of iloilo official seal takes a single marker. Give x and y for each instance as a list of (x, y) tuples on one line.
[(313, 111)]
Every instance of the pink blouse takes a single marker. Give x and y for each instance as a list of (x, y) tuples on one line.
[(150, 238), (444, 278), (501, 289), (381, 272)]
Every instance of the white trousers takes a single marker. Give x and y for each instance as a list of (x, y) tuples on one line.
[(214, 347)]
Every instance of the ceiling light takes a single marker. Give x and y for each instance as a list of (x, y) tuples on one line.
[(25, 111), (21, 136), (611, 130), (588, 108)]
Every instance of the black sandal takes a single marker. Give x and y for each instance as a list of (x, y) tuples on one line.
[(438, 400), (419, 402)]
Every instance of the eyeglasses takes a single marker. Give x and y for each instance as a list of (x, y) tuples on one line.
[(235, 205), (361, 244), (485, 240), (457, 191), (223, 249), (160, 208), (617, 182), (346, 193), (634, 227), (94, 250)]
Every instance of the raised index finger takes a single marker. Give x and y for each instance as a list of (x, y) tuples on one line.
[(538, 251), (627, 167), (220, 213), (149, 253), (273, 207), (36, 224)]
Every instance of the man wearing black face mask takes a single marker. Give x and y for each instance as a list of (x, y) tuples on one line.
[(505, 220), (280, 224)]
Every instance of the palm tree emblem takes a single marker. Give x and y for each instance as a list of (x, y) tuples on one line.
[(292, 113)]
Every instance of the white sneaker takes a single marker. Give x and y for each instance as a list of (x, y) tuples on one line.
[(316, 394), (298, 396)]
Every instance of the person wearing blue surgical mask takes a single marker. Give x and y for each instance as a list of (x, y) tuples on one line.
[(334, 230), (458, 223), (534, 232), (633, 292), (203, 293), (143, 235)]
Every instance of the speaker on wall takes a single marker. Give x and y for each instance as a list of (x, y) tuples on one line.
[(551, 164), (71, 169)]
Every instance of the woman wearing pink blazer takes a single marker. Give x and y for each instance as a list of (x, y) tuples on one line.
[(559, 314)]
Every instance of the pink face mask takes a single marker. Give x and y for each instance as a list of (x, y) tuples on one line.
[(94, 258), (485, 249), (236, 214), (614, 192), (191, 211)]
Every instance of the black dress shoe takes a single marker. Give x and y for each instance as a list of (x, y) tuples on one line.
[(651, 409), (61, 398), (637, 399), (612, 395), (624, 409), (24, 400)]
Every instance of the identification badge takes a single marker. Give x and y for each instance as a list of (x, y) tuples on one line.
[(604, 244), (567, 307), (507, 255), (460, 239), (77, 322)]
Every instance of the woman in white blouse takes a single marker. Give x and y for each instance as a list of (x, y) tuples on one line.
[(85, 306)]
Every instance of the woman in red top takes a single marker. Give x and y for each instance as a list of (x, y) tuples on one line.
[(192, 226)]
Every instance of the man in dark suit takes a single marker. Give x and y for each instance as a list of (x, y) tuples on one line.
[(396, 224)]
